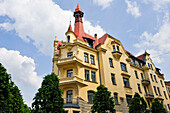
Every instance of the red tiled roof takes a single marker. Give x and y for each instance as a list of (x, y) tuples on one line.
[(141, 57), (69, 28), (129, 53)]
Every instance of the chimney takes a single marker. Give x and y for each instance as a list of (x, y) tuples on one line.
[(95, 35)]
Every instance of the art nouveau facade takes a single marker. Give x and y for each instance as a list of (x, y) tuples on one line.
[(83, 62)]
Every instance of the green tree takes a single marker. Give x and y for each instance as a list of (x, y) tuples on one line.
[(5, 94), (10, 97), (103, 102), (137, 104), (157, 107), (48, 99)]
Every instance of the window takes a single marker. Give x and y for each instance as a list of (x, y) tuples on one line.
[(159, 91), (70, 54), (142, 76), (123, 66), (68, 39), (139, 89), (155, 90), (165, 95), (148, 65), (113, 79), (110, 62), (161, 83), (114, 49), (117, 48), (133, 61), (93, 76), (90, 96), (152, 77), (155, 78), (128, 99), (148, 103), (70, 73), (136, 74), (126, 82), (151, 66), (86, 59), (69, 96), (145, 90), (87, 75), (168, 106), (116, 98), (92, 59)]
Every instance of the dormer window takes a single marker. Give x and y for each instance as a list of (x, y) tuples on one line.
[(68, 39)]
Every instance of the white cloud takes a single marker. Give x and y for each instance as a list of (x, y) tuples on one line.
[(22, 70), (39, 21), (158, 43), (158, 4), (132, 8), (103, 3)]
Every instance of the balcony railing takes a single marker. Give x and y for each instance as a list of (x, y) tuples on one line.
[(145, 81), (71, 103), (149, 95)]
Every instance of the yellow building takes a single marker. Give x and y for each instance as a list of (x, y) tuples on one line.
[(83, 62)]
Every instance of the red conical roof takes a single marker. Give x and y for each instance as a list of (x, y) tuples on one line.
[(69, 28), (78, 8)]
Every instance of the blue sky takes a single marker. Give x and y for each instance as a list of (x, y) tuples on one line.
[(28, 28)]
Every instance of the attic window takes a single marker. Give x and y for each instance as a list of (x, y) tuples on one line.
[(90, 42)]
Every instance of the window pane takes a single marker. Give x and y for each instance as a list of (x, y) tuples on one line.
[(93, 76), (70, 54), (69, 96), (92, 59), (70, 73), (123, 66), (128, 99), (159, 91), (113, 79), (68, 39), (116, 98), (87, 75), (126, 82), (155, 90), (136, 74), (110, 62), (142, 75), (90, 96), (139, 88), (152, 77), (165, 95), (86, 57), (114, 49), (155, 78), (117, 48)]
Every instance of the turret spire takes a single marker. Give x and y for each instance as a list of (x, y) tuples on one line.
[(78, 29)]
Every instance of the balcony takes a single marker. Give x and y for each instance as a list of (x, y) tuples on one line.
[(145, 81), (68, 60), (72, 80), (117, 54), (149, 95), (71, 103)]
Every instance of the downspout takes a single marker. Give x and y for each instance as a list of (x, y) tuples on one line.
[(99, 66)]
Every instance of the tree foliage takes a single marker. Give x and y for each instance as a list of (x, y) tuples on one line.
[(157, 107), (103, 102), (10, 97), (137, 105), (48, 99)]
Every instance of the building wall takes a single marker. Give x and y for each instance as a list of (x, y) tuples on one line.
[(80, 86)]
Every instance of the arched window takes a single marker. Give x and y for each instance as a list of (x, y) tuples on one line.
[(90, 96), (68, 39)]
